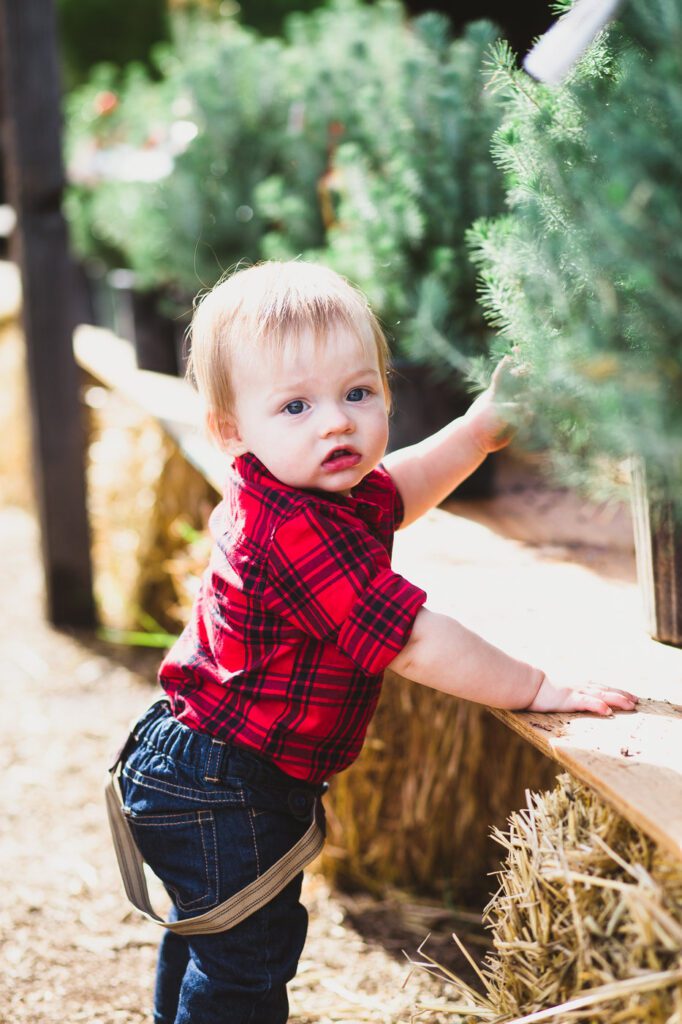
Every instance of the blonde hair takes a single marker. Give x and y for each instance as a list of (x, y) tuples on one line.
[(264, 309)]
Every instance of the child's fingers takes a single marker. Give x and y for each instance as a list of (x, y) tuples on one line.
[(503, 369), (624, 693), (618, 698), (602, 700), (583, 701), (520, 368), (507, 377), (597, 699), (504, 366)]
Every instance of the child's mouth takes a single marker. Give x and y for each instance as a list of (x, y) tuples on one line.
[(341, 458)]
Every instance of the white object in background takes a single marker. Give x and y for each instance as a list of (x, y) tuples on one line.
[(565, 42), (8, 220)]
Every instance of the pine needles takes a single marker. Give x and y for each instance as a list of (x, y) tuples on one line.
[(584, 274)]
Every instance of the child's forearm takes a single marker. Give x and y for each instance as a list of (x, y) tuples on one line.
[(443, 654), (425, 473)]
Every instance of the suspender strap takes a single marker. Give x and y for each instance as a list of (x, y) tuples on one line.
[(239, 906)]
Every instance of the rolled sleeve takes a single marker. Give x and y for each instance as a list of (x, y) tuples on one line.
[(380, 622), (382, 488), (336, 584)]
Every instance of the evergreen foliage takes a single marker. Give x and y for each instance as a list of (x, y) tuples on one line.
[(223, 86), (359, 139), (408, 186), (583, 276)]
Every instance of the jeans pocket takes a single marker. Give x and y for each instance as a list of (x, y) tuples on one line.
[(154, 780), (182, 850)]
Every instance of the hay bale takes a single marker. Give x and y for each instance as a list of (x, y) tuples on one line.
[(10, 292), (586, 923), (16, 483), (415, 810), (179, 543), (146, 505)]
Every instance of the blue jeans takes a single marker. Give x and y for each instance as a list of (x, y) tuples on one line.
[(209, 818)]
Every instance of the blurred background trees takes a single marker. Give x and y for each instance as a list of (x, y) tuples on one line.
[(358, 138), (362, 137)]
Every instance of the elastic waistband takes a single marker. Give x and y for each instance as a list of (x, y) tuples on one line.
[(215, 758)]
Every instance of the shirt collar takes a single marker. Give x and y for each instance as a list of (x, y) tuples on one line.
[(250, 468)]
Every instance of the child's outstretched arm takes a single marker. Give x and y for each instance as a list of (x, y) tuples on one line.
[(443, 654), (425, 473)]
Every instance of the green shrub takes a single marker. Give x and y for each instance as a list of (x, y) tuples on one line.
[(223, 89), (410, 188), (359, 139), (584, 275)]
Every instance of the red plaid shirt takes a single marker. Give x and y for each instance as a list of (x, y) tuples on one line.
[(298, 614)]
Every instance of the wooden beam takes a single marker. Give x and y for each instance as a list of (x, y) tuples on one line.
[(35, 180), (170, 400), (581, 629)]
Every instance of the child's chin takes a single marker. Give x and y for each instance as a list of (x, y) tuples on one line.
[(342, 484), (330, 483)]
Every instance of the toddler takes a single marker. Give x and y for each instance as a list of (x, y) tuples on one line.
[(270, 688)]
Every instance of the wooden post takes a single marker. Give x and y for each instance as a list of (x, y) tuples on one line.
[(35, 181)]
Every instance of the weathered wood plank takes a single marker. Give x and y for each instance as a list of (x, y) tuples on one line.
[(31, 99), (580, 628)]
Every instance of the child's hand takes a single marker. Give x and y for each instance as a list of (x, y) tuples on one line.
[(599, 700), (495, 414)]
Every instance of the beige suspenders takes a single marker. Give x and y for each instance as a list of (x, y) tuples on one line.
[(238, 907)]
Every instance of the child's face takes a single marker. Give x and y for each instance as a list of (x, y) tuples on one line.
[(317, 417)]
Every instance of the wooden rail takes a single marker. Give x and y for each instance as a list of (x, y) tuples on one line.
[(580, 627), (170, 400)]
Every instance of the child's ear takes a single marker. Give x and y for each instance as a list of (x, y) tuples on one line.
[(225, 432)]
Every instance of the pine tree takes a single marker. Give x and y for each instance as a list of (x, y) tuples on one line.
[(583, 276)]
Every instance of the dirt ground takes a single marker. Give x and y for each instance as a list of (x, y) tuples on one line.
[(71, 948)]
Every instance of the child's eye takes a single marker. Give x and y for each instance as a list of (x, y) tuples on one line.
[(357, 394), (295, 408)]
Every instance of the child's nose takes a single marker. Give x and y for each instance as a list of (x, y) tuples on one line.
[(336, 421)]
